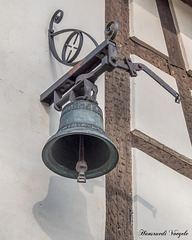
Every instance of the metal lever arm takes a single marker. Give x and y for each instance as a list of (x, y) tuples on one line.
[(133, 68), (160, 81)]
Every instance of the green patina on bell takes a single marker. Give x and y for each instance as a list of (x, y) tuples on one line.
[(80, 146)]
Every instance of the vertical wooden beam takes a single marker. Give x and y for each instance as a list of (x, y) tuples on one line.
[(119, 181), (176, 62), (170, 34)]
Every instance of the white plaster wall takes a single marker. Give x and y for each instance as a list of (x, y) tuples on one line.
[(34, 202), (155, 113), (161, 199), (145, 25), (182, 14)]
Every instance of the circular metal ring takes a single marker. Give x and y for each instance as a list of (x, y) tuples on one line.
[(74, 35), (110, 31)]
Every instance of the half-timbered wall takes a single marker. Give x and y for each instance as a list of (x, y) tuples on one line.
[(35, 203), (152, 132)]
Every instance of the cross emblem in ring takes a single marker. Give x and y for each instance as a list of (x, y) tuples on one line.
[(72, 46)]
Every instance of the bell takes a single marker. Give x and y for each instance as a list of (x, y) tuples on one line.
[(80, 149)]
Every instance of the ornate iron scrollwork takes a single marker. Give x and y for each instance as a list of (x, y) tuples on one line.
[(72, 45), (79, 82), (110, 31)]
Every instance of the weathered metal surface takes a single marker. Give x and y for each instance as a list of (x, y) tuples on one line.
[(81, 166), (71, 43), (61, 152), (91, 61), (102, 58), (133, 68), (110, 30)]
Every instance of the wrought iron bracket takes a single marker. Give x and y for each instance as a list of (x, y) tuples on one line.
[(94, 64), (79, 82), (72, 46), (133, 68)]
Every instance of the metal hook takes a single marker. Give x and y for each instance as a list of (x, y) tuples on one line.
[(110, 31)]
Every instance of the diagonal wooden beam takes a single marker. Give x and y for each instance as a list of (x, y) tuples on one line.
[(162, 153), (189, 2)]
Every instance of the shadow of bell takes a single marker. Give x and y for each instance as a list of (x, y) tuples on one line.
[(62, 215)]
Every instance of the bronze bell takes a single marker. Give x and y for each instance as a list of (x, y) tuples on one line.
[(80, 149)]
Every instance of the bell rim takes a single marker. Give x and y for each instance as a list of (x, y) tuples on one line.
[(56, 167)]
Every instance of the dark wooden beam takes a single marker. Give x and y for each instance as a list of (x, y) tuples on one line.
[(117, 112), (170, 34), (163, 154), (177, 66), (189, 2)]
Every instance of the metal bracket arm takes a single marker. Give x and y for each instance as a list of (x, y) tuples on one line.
[(133, 68), (81, 78), (160, 81), (93, 65)]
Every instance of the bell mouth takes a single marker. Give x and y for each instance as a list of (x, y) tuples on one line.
[(61, 155), (61, 152), (65, 151)]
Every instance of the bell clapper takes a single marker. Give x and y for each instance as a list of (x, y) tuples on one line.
[(81, 166)]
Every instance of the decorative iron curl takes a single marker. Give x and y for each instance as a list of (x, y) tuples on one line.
[(73, 37), (110, 31), (57, 17)]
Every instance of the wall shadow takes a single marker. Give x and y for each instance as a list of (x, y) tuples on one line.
[(138, 198), (62, 215)]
